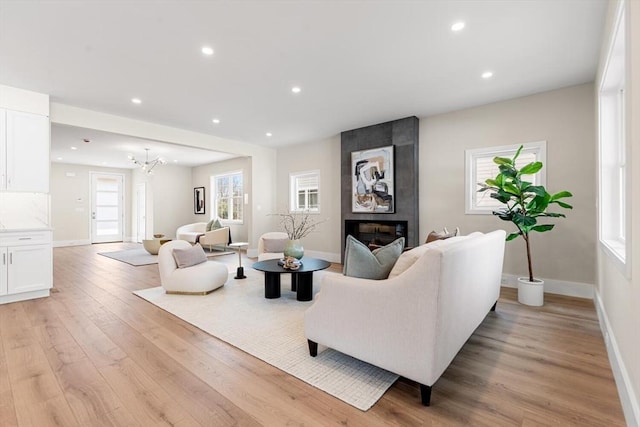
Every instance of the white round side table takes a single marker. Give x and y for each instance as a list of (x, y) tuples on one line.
[(237, 246)]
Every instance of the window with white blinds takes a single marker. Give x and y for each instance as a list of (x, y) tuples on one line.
[(305, 191), (480, 167)]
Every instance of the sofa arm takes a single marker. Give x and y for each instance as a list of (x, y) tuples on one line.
[(219, 236)]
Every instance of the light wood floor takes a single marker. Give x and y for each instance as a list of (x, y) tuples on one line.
[(94, 354)]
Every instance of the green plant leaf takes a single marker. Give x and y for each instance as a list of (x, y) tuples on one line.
[(502, 161), (542, 228), (538, 190), (512, 236), (563, 204), (523, 220), (561, 195), (531, 168)]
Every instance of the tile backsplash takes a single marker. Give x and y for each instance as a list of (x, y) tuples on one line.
[(24, 211)]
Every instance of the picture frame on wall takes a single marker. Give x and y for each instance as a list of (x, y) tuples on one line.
[(198, 201), (372, 181)]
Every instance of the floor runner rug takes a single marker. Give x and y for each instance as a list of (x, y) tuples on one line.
[(273, 331)]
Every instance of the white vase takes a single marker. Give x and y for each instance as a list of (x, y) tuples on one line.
[(530, 293)]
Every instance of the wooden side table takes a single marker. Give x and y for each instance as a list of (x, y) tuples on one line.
[(237, 246)]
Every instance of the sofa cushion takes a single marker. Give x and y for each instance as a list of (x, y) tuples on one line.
[(361, 262), (189, 256), (214, 224), (408, 258), (274, 245), (444, 234)]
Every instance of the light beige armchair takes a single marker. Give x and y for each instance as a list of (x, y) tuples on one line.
[(271, 245), (196, 232), (199, 279)]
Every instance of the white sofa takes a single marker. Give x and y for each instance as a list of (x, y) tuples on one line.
[(190, 233), (199, 279), (415, 322)]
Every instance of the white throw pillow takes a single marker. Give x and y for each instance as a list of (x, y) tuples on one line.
[(190, 256)]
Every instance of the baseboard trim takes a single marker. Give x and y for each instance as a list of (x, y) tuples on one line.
[(552, 286), (64, 243), (630, 406)]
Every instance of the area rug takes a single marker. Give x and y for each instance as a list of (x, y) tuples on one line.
[(139, 256), (273, 331)]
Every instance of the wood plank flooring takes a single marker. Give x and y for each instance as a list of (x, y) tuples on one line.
[(94, 354)]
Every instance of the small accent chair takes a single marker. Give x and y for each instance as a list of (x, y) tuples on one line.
[(271, 245), (199, 279)]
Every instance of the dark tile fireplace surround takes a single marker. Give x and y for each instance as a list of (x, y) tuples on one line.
[(383, 228)]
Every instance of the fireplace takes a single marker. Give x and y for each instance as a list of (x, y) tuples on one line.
[(376, 232)]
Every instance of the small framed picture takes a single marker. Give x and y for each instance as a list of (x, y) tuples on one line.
[(198, 200)]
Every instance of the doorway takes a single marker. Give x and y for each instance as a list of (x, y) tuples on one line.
[(107, 207), (141, 214)]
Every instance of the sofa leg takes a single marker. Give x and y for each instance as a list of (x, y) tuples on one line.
[(425, 394), (313, 348), (494, 306)]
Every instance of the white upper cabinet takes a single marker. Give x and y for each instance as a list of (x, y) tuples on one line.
[(24, 151)]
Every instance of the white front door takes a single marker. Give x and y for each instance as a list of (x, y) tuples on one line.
[(107, 207)]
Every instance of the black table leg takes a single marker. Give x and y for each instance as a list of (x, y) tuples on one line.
[(294, 282), (304, 283), (271, 285)]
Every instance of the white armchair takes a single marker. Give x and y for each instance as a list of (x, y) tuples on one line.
[(199, 279), (271, 245), (415, 322), (189, 232)]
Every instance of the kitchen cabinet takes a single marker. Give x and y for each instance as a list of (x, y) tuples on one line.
[(26, 265), (24, 151)]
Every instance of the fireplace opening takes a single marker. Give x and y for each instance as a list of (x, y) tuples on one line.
[(376, 232)]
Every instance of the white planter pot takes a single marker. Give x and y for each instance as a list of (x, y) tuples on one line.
[(530, 293)]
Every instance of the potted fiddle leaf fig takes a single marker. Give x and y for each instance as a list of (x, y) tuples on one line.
[(524, 205)]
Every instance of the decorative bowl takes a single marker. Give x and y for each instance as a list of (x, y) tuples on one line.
[(158, 236)]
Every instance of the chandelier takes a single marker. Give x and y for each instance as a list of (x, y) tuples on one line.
[(147, 166)]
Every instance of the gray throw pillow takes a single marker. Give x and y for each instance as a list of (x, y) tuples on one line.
[(209, 225), (216, 224), (274, 245), (361, 262), (190, 256)]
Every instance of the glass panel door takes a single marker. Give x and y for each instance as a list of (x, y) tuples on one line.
[(107, 208)]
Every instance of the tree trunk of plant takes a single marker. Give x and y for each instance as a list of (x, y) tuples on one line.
[(526, 239)]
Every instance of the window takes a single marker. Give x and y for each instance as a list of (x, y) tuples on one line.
[(612, 148), (479, 167), (305, 191), (229, 196)]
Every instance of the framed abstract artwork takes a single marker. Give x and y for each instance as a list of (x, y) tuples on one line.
[(372, 177), (198, 200)]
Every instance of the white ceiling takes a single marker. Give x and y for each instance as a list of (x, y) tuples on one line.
[(358, 62)]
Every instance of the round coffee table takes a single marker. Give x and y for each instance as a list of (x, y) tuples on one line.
[(301, 279)]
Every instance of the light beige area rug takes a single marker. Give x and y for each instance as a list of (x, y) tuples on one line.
[(273, 331)]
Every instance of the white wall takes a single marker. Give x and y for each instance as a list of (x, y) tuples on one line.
[(323, 156), (170, 196), (565, 119), (201, 177), (71, 202), (618, 296)]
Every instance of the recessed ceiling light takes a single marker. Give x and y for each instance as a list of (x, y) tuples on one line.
[(136, 100), (269, 134), (104, 163), (206, 50), (175, 161), (74, 148), (296, 89), (216, 121), (58, 158), (487, 74), (457, 26)]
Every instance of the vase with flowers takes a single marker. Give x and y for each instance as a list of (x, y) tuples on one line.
[(297, 225)]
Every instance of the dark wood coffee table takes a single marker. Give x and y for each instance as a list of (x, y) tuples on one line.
[(301, 279)]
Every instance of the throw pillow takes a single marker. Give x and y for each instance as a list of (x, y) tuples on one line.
[(361, 262), (408, 258), (216, 224), (209, 225), (190, 256), (274, 245), (444, 234)]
